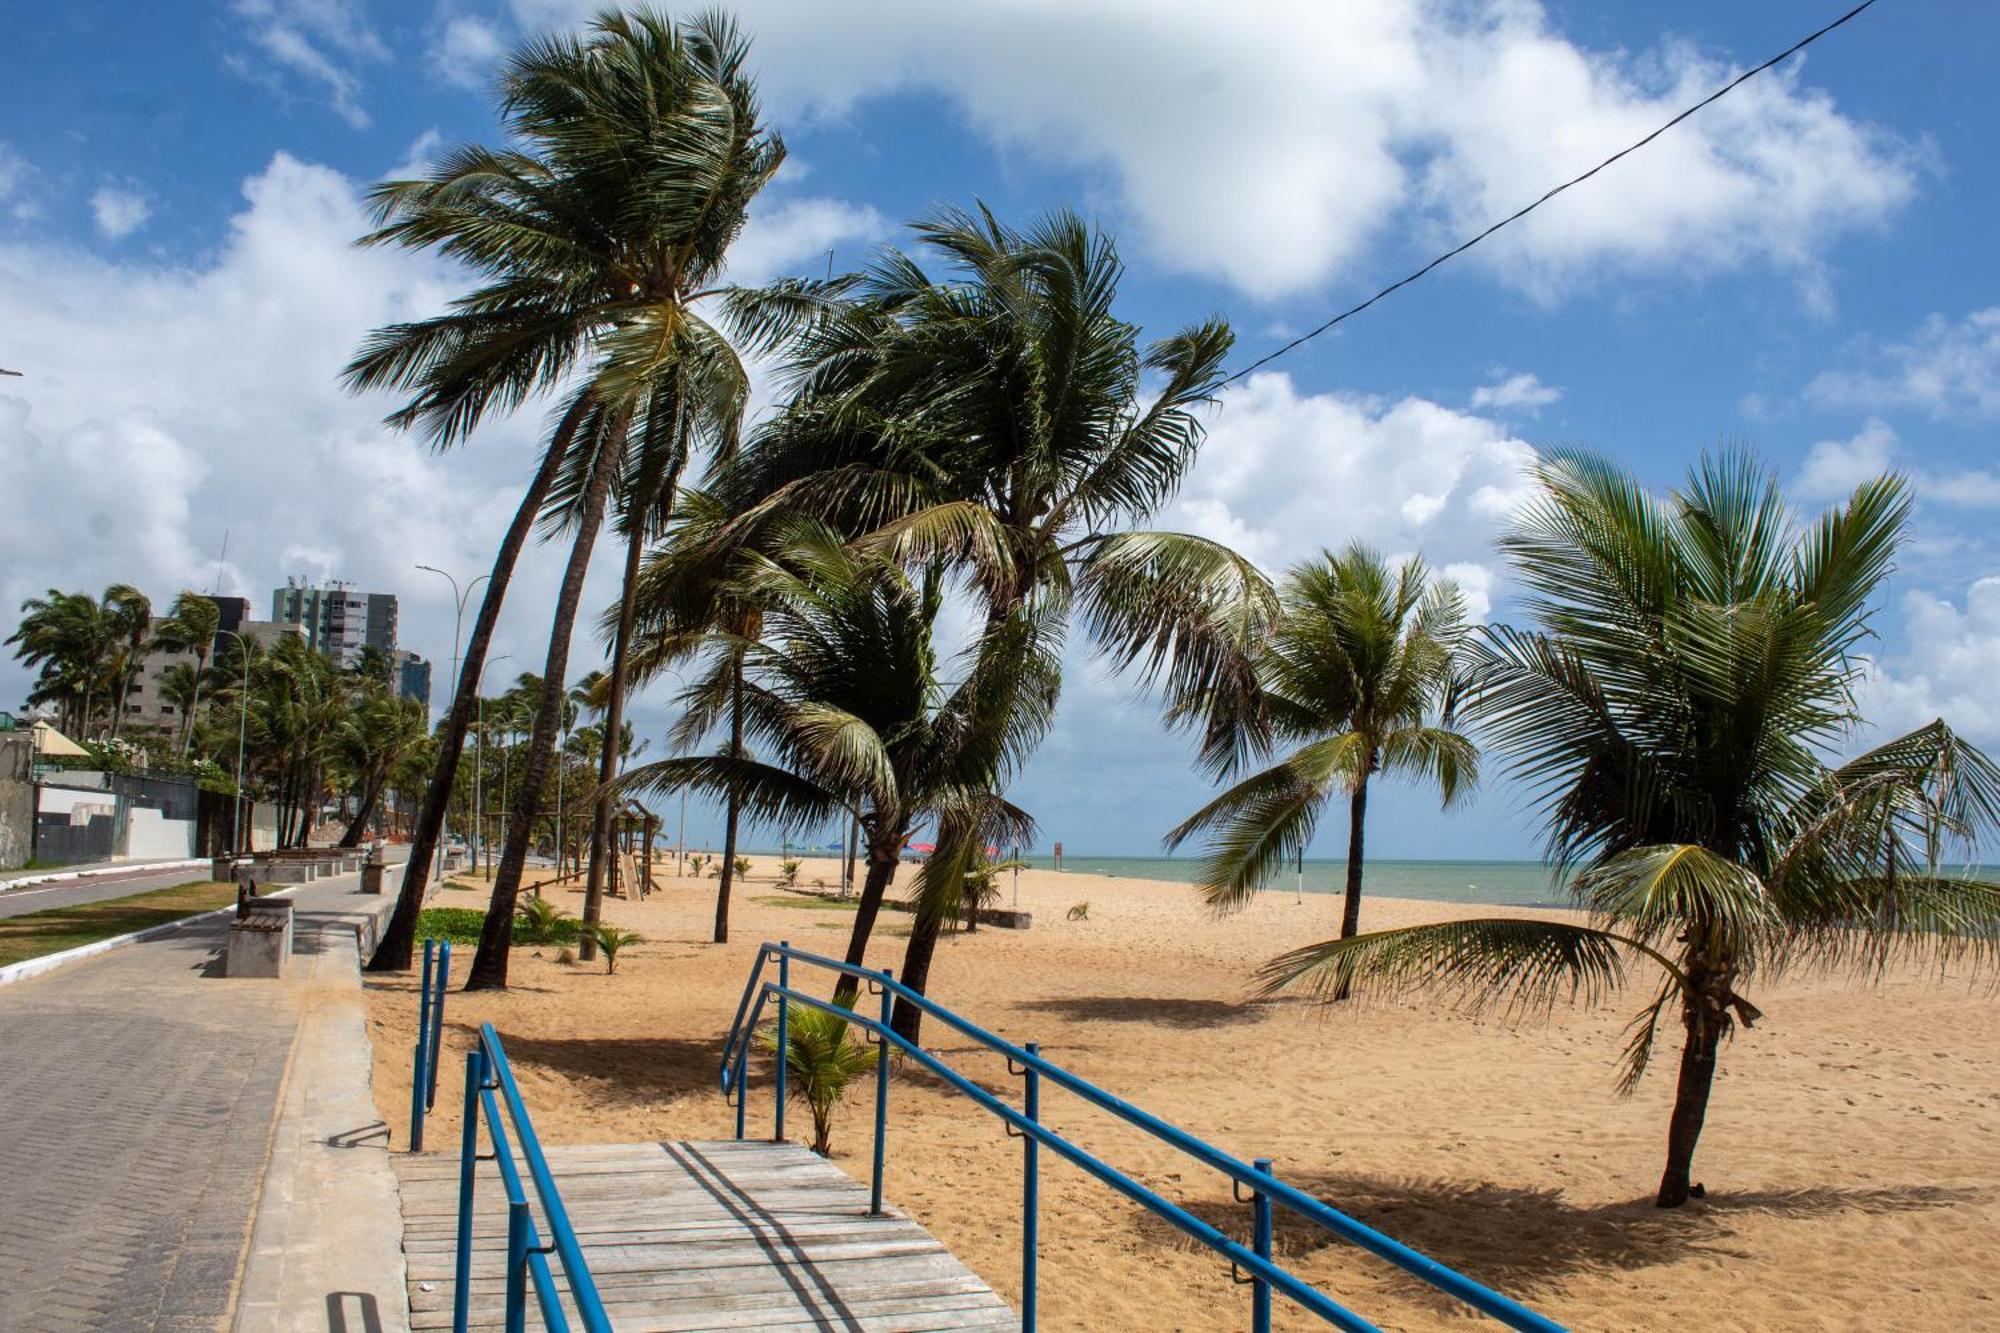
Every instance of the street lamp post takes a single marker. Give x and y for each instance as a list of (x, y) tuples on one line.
[(479, 760), (457, 623), (242, 729)]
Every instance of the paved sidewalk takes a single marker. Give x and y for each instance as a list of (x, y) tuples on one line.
[(138, 1103)]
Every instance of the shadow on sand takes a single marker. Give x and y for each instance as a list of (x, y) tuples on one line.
[(1159, 1011), (638, 1070), (1520, 1241)]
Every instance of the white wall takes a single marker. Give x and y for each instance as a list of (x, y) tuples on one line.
[(149, 837)]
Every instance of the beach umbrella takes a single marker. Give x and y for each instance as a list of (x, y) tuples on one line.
[(50, 742)]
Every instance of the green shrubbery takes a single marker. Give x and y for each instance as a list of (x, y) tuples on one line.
[(461, 925)]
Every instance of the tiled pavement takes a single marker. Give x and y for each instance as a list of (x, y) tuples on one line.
[(138, 1091)]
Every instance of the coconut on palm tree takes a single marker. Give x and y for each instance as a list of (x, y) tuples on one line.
[(1683, 708), (1356, 679), (634, 150)]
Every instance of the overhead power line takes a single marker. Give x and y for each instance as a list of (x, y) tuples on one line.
[(1518, 214)]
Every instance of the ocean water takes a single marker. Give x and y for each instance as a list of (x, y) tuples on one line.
[(1513, 883)]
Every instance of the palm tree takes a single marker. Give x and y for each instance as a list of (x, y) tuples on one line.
[(841, 687), (373, 736), (998, 420), (190, 626), (71, 640), (130, 616), (1694, 668), (634, 150), (1357, 677)]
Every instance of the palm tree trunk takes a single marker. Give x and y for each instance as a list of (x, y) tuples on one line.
[(882, 861), (496, 938), (399, 941), (908, 1021), (369, 795), (1705, 1017), (727, 878), (607, 758), (194, 704), (1350, 908)]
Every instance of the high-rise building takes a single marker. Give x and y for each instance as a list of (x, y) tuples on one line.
[(413, 678), (155, 703), (338, 621)]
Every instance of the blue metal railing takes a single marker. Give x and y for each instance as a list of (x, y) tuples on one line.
[(486, 1073), (1256, 1184), (430, 1032)]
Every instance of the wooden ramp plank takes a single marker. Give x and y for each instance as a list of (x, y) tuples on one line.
[(686, 1237)]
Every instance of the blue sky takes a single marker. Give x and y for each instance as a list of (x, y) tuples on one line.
[(1806, 267)]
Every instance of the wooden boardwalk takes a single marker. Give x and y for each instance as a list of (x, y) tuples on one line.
[(687, 1236)]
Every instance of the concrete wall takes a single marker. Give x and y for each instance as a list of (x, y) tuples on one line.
[(17, 799), (149, 836)]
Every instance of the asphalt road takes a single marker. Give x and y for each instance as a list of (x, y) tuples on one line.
[(77, 892)]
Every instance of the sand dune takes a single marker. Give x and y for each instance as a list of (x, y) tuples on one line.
[(1852, 1155)]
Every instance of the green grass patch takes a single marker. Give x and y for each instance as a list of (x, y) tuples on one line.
[(461, 925), (810, 904), (57, 928)]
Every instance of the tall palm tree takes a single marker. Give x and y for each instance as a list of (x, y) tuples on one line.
[(130, 613), (998, 419), (190, 626), (1693, 672), (634, 149), (370, 739), (71, 640), (841, 688), (1357, 677)]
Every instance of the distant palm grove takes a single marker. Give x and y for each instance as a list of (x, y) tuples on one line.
[(969, 425)]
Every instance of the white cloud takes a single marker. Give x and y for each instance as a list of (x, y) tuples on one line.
[(1284, 475), (1270, 149), (465, 51), (1948, 670), (788, 235), (226, 416), (1833, 468), (1524, 391), (1946, 368), (119, 211), (321, 41), (1836, 467)]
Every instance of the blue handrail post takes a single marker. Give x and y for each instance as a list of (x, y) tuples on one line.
[(881, 1101), (517, 1266), (420, 1069), (1260, 1242), (742, 1092), (434, 1048), (468, 1166), (1031, 1191), (784, 1039)]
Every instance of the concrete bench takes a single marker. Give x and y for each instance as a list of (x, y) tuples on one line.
[(260, 939)]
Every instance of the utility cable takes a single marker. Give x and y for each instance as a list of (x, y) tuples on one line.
[(1516, 216)]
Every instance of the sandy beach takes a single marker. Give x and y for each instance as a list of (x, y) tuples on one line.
[(1852, 1154)]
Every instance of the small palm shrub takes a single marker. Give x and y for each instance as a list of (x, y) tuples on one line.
[(1080, 912), (743, 865), (822, 1059), (538, 921), (788, 871), (611, 939)]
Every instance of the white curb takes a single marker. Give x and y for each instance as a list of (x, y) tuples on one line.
[(126, 868)]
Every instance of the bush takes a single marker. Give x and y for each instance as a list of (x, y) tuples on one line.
[(461, 925), (611, 939), (822, 1060), (788, 871)]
